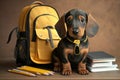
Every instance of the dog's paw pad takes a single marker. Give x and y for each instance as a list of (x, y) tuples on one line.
[(66, 72), (67, 69), (83, 72)]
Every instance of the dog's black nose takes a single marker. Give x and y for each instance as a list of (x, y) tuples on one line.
[(75, 31)]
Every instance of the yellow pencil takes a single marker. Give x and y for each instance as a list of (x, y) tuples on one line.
[(36, 70), (22, 72)]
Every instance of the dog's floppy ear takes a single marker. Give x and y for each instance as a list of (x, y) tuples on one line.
[(92, 26), (61, 27)]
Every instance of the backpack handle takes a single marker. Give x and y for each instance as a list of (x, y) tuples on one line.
[(38, 2)]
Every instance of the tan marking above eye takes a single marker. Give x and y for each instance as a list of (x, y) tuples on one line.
[(70, 17), (81, 17)]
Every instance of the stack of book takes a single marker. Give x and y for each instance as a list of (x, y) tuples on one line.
[(101, 61)]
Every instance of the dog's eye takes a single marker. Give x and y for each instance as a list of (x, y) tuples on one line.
[(69, 19), (82, 19)]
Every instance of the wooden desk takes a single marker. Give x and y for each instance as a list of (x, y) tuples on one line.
[(10, 64)]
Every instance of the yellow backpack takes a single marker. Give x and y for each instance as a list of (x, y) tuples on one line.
[(36, 34)]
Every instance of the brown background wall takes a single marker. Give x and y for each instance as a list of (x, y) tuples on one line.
[(106, 12)]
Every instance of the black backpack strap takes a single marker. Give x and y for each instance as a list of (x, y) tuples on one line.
[(10, 34)]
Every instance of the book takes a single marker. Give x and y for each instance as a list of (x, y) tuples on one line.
[(100, 64), (100, 61), (101, 69), (100, 56)]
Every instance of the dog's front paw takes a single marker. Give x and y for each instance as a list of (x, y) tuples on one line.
[(66, 69), (83, 71)]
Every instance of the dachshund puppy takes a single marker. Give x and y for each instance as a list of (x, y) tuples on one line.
[(74, 28)]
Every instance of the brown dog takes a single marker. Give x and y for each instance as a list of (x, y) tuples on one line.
[(74, 28)]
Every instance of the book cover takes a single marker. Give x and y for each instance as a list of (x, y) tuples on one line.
[(101, 69), (100, 64), (100, 56)]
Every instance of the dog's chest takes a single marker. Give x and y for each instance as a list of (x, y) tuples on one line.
[(74, 48), (75, 58)]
